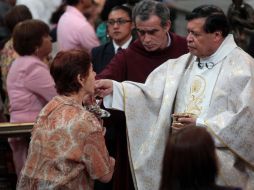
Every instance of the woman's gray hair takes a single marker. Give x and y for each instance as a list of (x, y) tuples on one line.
[(145, 8)]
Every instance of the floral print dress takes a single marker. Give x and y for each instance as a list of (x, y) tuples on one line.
[(67, 149)]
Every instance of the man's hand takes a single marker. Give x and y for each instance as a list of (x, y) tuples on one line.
[(103, 87), (182, 120), (187, 121)]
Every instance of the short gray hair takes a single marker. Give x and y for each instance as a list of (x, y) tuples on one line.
[(145, 8)]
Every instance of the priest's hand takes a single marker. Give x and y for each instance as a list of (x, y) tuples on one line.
[(181, 123), (103, 87), (182, 120), (187, 121)]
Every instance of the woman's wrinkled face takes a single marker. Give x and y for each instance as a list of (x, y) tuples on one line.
[(89, 82)]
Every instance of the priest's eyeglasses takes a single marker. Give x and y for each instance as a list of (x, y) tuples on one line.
[(149, 32), (120, 21)]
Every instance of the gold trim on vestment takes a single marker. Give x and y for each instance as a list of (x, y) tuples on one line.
[(128, 142)]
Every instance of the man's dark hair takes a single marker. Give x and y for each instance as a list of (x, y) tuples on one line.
[(216, 20), (123, 8)]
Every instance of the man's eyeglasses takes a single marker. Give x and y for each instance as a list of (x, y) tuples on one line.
[(143, 32), (118, 22)]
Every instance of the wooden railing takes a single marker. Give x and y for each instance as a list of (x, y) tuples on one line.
[(15, 129)]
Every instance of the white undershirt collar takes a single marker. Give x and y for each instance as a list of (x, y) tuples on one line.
[(124, 46)]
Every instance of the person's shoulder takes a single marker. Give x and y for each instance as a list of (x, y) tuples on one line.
[(70, 18), (99, 53), (34, 65), (90, 122), (136, 43), (24, 62), (102, 47), (239, 55)]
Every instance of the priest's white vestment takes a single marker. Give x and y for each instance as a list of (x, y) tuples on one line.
[(225, 106)]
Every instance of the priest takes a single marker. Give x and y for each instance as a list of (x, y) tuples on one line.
[(214, 82)]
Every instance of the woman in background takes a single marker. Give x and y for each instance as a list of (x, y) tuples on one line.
[(67, 148), (29, 83), (14, 16), (190, 161)]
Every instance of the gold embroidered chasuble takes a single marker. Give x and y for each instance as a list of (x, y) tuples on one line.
[(223, 99), (228, 114), (148, 109)]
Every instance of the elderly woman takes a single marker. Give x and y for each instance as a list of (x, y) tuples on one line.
[(67, 149), (29, 83)]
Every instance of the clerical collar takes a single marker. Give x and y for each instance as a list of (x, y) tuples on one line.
[(208, 65), (225, 48), (169, 40), (124, 46)]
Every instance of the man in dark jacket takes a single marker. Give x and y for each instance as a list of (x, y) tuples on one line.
[(119, 26)]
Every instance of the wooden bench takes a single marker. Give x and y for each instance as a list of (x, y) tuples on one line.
[(15, 129)]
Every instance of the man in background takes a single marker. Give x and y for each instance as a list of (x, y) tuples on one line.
[(73, 29), (119, 26), (155, 45)]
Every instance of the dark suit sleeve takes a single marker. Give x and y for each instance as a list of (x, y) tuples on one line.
[(94, 55), (116, 69)]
